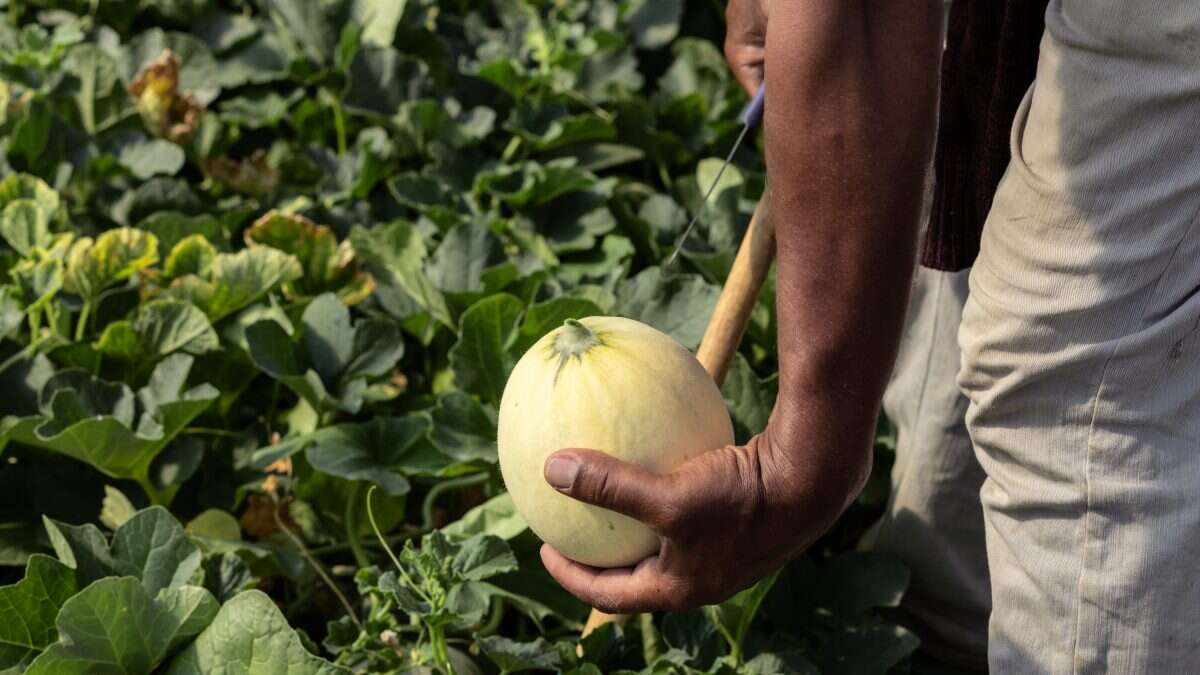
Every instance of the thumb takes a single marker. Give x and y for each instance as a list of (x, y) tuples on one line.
[(600, 479)]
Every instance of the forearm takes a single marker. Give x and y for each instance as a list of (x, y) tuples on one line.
[(849, 130)]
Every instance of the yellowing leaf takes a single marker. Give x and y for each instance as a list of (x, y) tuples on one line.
[(192, 255), (252, 176), (168, 112), (328, 265), (114, 256)]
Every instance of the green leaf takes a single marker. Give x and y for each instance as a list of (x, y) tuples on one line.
[(483, 556), (166, 326), (497, 516), (460, 260), (115, 626), (395, 256), (874, 648), (93, 266), (513, 657), (331, 365), (481, 358), (734, 616), (250, 635), (38, 282), (93, 421), (31, 606), (678, 304), (148, 157), (153, 547), (214, 524), (172, 227), (655, 23), (464, 428), (11, 316), (223, 31), (379, 19), (544, 317), (854, 583), (226, 575), (382, 79), (750, 398), (376, 451), (309, 30)]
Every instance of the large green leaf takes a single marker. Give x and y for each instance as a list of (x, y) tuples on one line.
[(30, 607), (151, 547), (94, 265), (497, 516), (115, 626), (677, 304), (395, 256), (464, 428), (482, 358), (250, 635), (98, 422), (333, 360), (751, 398), (376, 451), (160, 328), (460, 260), (514, 657)]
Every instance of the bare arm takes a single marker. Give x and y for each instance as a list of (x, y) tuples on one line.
[(849, 125), (851, 88)]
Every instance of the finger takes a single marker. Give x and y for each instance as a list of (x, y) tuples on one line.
[(603, 480), (623, 590), (746, 64)]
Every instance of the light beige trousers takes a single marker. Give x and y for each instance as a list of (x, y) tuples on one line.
[(1080, 362)]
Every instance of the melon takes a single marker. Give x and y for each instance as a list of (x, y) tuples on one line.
[(610, 384)]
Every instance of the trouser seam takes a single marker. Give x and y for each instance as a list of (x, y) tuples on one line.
[(1087, 482)]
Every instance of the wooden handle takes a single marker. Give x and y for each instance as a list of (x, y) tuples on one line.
[(739, 295), (728, 321)]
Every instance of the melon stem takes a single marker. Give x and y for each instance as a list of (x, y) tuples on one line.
[(574, 339)]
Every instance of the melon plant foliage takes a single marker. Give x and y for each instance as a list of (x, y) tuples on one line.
[(260, 259)]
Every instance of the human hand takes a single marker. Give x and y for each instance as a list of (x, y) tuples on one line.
[(745, 41), (726, 518)]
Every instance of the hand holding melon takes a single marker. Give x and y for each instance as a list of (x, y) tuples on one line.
[(615, 385)]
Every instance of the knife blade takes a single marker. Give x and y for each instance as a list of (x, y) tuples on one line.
[(750, 118)]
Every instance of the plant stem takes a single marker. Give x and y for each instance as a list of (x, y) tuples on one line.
[(339, 123), (437, 639), (81, 327), (445, 486), (317, 568), (151, 492), (651, 643), (353, 511), (394, 539), (19, 356)]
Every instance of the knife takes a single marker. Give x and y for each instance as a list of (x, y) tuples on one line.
[(751, 117)]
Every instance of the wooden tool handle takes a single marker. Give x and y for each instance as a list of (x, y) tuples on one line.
[(728, 321)]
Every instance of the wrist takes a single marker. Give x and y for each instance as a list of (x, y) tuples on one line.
[(819, 462)]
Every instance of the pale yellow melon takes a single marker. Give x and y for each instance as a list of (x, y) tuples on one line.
[(610, 384)]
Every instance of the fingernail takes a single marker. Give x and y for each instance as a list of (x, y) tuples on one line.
[(561, 472)]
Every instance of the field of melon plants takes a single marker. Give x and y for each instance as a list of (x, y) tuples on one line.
[(265, 266)]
